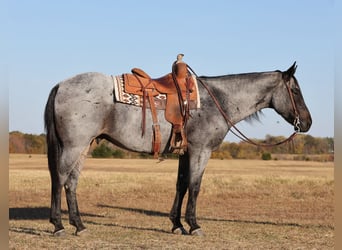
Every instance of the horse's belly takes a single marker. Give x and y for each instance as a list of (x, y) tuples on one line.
[(125, 128)]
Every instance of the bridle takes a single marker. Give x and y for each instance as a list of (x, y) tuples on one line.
[(296, 121), (238, 133)]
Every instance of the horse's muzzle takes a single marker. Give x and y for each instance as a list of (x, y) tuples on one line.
[(304, 124)]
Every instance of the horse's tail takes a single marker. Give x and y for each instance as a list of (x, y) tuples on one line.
[(54, 144)]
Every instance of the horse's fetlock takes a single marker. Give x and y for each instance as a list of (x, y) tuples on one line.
[(197, 232), (59, 233)]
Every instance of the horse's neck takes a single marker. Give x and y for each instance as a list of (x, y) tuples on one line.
[(247, 93)]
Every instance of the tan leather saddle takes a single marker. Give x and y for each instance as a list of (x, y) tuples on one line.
[(178, 86)]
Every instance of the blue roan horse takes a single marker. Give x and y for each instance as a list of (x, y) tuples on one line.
[(83, 108)]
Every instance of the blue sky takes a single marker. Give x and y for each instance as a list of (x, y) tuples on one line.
[(49, 41)]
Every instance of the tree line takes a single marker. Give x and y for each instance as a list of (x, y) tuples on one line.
[(303, 147)]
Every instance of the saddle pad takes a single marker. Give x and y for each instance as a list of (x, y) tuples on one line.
[(137, 100)]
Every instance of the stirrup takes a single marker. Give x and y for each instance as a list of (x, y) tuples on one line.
[(179, 142)]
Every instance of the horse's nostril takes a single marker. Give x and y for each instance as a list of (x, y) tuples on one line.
[(305, 126)]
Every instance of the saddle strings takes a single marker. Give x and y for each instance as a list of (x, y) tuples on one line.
[(238, 133)]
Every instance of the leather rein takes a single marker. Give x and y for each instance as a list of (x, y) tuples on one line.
[(238, 133)]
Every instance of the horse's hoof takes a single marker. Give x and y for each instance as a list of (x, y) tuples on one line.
[(59, 233), (180, 231), (197, 232), (81, 233)]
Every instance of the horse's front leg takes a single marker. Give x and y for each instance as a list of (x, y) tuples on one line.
[(198, 163), (181, 188)]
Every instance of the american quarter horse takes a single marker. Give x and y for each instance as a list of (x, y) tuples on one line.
[(83, 108)]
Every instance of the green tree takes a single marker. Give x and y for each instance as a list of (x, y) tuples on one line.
[(266, 156), (102, 151), (119, 154)]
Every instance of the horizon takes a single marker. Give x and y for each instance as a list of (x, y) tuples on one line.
[(267, 135)]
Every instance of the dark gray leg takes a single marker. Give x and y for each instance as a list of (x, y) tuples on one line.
[(70, 191), (198, 163), (55, 211), (181, 188), (64, 172), (190, 214)]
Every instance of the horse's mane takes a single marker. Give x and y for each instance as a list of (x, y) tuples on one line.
[(254, 117), (249, 74)]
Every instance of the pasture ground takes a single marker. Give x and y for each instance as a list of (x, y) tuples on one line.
[(243, 204)]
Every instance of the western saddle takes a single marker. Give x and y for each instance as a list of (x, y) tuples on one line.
[(178, 86)]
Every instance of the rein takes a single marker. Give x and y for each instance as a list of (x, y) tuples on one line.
[(238, 133)]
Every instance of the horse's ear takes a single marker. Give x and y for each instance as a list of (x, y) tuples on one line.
[(290, 72)]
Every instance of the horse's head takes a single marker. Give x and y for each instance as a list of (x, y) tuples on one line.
[(288, 101)]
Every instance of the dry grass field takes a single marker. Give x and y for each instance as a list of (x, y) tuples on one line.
[(243, 204)]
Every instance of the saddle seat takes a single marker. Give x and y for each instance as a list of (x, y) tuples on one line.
[(139, 81)]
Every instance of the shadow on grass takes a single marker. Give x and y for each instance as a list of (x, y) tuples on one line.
[(127, 227), (137, 210), (163, 214), (29, 213), (43, 213), (37, 213), (134, 210), (32, 231)]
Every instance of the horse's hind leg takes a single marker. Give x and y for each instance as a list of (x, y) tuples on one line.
[(70, 191), (66, 174), (55, 212)]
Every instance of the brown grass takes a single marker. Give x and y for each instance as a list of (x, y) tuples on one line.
[(243, 204)]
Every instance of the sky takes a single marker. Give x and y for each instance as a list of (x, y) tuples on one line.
[(49, 41)]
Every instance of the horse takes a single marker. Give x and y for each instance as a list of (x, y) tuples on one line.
[(83, 108)]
